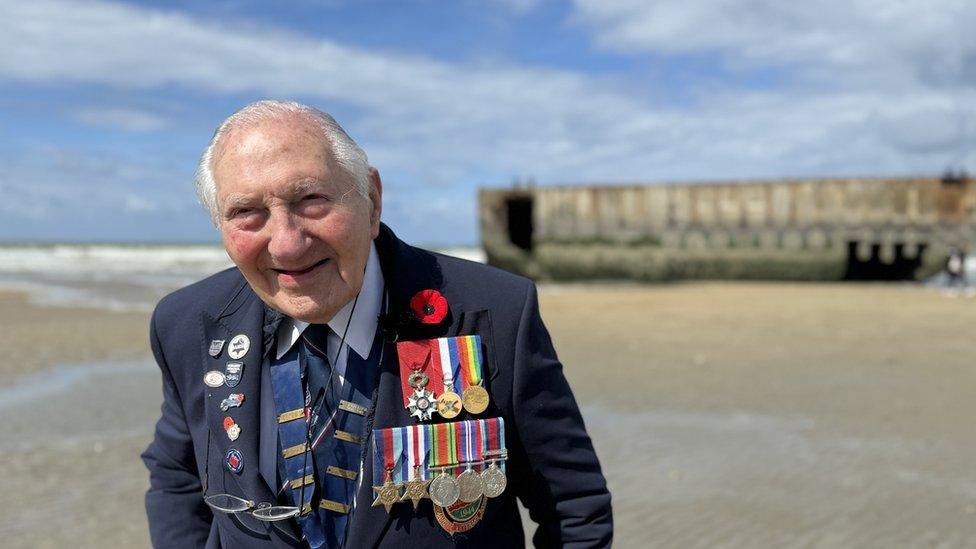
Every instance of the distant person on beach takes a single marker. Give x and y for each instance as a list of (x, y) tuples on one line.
[(340, 387), (956, 267)]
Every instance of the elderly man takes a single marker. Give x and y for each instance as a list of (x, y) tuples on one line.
[(342, 388)]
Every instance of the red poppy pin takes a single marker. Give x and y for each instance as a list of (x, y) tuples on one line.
[(429, 306)]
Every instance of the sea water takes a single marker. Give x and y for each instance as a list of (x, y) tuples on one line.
[(119, 276)]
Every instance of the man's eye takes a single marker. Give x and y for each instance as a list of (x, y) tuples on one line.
[(244, 215)]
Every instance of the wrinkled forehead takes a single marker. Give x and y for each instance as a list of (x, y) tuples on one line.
[(261, 143), (253, 138)]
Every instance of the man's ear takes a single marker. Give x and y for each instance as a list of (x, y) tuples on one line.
[(376, 201)]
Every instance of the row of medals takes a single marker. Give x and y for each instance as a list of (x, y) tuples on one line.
[(446, 490), (423, 404)]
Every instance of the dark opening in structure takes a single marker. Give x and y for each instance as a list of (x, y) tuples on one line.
[(519, 210), (903, 267)]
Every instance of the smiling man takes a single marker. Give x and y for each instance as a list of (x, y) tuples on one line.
[(342, 388)]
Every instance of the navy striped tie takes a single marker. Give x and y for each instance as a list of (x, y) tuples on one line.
[(337, 449)]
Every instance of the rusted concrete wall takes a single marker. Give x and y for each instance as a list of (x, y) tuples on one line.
[(771, 215), (625, 213)]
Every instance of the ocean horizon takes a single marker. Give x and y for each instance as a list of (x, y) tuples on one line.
[(121, 276)]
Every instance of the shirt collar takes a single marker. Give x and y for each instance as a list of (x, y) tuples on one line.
[(362, 326)]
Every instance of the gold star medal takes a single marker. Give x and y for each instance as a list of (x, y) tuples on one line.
[(388, 493)]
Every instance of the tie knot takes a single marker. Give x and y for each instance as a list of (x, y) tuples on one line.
[(317, 336)]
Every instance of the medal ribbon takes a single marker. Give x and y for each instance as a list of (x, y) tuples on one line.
[(388, 445), (478, 428), (501, 438), (448, 356), (440, 444), (388, 460), (495, 431), (421, 450), (463, 440), (400, 444), (471, 364), (445, 444), (452, 445), (379, 457), (411, 442), (418, 356)]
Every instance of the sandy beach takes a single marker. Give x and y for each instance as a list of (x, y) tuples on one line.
[(725, 414), (34, 338)]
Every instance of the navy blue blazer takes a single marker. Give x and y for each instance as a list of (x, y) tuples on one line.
[(551, 465)]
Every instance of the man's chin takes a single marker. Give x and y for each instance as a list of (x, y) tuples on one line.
[(304, 308)]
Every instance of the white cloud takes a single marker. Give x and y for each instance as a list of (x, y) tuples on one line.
[(132, 120), (859, 42), (48, 181), (516, 6)]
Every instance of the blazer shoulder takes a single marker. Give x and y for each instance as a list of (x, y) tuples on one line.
[(210, 294), (483, 286)]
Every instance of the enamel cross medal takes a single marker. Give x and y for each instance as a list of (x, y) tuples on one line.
[(421, 403), (414, 357)]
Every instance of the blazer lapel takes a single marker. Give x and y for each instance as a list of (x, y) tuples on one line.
[(244, 315)]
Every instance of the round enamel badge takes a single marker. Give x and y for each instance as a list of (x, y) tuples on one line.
[(213, 378), (238, 346), (235, 461)]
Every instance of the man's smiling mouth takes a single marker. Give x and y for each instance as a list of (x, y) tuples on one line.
[(301, 271)]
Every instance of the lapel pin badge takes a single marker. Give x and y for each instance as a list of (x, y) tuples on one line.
[(216, 345), (235, 460), (232, 373), (232, 401), (238, 347), (233, 429), (213, 378)]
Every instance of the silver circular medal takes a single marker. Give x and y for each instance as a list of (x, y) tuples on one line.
[(495, 481), (213, 378), (444, 490), (470, 486)]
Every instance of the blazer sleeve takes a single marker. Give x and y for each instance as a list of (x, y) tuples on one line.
[(567, 493), (177, 515)]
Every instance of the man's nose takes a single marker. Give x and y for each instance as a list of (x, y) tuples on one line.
[(287, 241)]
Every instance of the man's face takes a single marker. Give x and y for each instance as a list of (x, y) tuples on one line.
[(292, 219)]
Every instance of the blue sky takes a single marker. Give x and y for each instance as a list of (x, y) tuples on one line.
[(106, 106)]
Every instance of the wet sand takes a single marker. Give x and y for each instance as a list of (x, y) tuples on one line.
[(725, 415), (777, 415), (33, 338)]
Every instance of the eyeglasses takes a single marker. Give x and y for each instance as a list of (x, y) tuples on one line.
[(228, 503)]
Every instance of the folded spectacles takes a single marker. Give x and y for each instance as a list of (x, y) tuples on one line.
[(228, 503)]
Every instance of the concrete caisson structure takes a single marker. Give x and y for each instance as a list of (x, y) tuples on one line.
[(816, 229)]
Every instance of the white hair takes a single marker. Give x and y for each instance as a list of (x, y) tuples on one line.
[(344, 150)]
